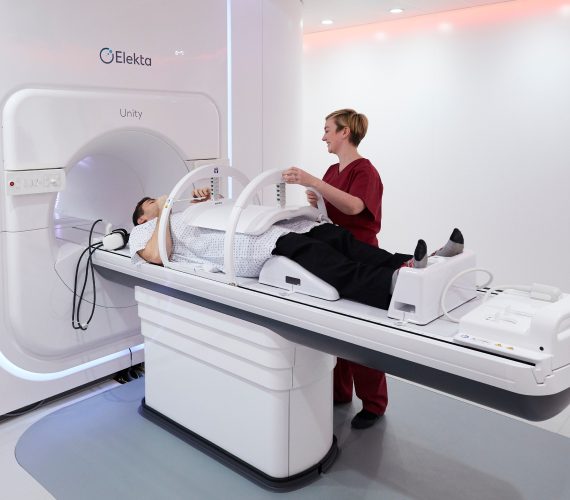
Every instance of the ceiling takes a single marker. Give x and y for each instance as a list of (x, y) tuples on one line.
[(345, 13)]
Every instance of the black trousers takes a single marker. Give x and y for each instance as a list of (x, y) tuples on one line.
[(358, 271)]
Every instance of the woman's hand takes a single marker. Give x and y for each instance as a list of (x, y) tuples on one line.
[(295, 175)]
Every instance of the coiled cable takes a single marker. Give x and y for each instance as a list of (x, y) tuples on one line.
[(77, 300)]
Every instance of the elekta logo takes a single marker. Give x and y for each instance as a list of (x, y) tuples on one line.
[(109, 56)]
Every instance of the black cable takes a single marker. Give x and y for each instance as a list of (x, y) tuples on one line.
[(77, 301), (76, 313), (131, 372), (89, 268)]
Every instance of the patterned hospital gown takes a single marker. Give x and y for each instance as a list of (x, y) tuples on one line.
[(206, 246)]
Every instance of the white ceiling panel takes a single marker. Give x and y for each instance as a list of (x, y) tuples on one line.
[(345, 13)]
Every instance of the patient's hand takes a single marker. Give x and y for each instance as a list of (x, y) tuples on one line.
[(160, 201), (201, 194)]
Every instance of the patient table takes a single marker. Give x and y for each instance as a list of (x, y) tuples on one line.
[(215, 342)]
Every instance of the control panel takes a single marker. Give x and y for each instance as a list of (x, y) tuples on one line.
[(34, 181), (506, 350), (530, 324)]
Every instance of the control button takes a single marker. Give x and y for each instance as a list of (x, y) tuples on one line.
[(12, 183)]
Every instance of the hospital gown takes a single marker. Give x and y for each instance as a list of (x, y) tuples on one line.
[(197, 245)]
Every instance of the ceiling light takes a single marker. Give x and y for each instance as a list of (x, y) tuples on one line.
[(326, 21), (396, 11)]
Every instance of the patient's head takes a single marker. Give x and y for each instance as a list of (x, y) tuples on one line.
[(145, 210)]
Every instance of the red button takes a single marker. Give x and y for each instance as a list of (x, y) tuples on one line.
[(11, 183)]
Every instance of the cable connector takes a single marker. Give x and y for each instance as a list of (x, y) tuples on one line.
[(113, 241), (116, 240)]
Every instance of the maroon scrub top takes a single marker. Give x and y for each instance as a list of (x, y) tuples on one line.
[(362, 180)]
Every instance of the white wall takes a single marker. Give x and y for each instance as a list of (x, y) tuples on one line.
[(266, 79), (469, 127)]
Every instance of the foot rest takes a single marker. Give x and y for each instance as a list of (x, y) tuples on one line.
[(417, 295)]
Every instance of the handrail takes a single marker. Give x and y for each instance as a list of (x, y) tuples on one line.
[(204, 172), (265, 179)]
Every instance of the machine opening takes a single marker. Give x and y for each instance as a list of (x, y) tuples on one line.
[(105, 180), (109, 175)]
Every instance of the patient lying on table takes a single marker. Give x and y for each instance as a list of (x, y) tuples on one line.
[(358, 271)]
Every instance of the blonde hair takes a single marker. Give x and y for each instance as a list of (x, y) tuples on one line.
[(356, 122)]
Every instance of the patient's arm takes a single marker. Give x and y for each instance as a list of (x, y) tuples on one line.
[(150, 252)]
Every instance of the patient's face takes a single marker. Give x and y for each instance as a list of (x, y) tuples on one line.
[(150, 211)]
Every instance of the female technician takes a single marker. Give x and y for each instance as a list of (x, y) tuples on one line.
[(352, 191)]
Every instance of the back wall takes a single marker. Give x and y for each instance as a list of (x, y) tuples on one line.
[(469, 127)]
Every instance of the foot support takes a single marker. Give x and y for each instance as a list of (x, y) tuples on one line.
[(417, 294)]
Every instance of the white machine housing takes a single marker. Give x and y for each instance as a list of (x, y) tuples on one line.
[(103, 104), (279, 392)]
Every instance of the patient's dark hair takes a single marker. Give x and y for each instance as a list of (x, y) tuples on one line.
[(139, 210)]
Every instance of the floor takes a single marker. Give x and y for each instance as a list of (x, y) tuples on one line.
[(16, 483)]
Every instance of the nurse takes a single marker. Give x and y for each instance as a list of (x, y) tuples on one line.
[(352, 191)]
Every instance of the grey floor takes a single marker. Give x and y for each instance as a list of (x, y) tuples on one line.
[(428, 446)]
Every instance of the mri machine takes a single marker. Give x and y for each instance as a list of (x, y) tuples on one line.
[(86, 133), (87, 129)]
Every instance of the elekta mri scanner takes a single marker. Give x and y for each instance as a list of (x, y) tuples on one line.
[(97, 113), (99, 105)]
